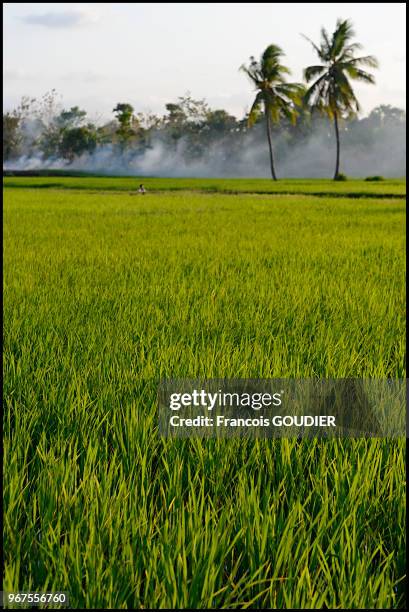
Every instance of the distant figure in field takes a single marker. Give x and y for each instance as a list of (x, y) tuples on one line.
[(141, 189)]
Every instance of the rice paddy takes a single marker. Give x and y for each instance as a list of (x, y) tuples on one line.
[(105, 294)]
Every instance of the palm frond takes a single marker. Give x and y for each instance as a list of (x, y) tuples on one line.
[(255, 110), (317, 89), (313, 71), (344, 94), (325, 43), (344, 31), (271, 53), (270, 65), (367, 60), (351, 48), (359, 75), (293, 92), (287, 110)]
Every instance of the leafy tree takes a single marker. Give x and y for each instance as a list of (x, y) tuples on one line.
[(386, 114), (127, 122), (275, 97), (186, 119), (20, 129), (149, 124), (69, 119), (175, 122), (45, 112), (106, 132), (331, 91), (11, 135), (56, 132), (76, 141), (220, 122)]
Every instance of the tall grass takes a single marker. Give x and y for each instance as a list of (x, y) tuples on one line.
[(107, 293)]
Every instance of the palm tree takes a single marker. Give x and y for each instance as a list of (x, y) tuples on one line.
[(275, 96), (332, 92)]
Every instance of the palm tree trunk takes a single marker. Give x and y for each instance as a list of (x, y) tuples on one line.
[(270, 144), (337, 137)]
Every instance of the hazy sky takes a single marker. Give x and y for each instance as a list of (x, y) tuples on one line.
[(97, 54)]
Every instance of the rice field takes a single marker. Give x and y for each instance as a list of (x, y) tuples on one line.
[(105, 294)]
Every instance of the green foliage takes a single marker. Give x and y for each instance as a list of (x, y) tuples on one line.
[(76, 141), (66, 135), (375, 178), (355, 188), (341, 177), (124, 114), (188, 119), (15, 136), (275, 96), (127, 123), (331, 90), (11, 136), (35, 129), (113, 292), (70, 119)]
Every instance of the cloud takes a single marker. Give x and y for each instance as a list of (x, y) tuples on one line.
[(67, 19)]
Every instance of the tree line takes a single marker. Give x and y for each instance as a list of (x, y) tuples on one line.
[(289, 112)]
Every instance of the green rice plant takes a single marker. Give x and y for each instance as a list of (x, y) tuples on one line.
[(105, 294), (353, 187)]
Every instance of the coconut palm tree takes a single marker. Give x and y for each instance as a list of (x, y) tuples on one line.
[(275, 97), (331, 91)]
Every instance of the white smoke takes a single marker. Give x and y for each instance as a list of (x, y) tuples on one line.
[(313, 157)]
